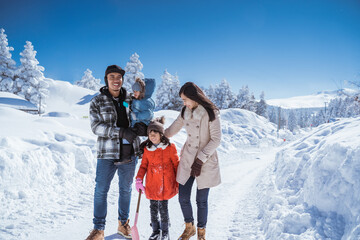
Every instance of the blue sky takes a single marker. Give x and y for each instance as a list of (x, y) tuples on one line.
[(284, 48)]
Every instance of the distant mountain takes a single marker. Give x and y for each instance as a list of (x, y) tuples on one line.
[(316, 100)]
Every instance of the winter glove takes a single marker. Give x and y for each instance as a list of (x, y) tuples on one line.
[(139, 185), (128, 134), (140, 128), (196, 168)]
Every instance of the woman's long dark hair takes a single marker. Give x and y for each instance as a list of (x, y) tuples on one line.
[(192, 91), (149, 144)]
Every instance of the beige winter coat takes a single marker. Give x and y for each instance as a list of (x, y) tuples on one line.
[(203, 137)]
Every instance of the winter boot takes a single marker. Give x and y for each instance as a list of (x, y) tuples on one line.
[(156, 231), (165, 235), (96, 235), (165, 231), (189, 231), (201, 233), (124, 229)]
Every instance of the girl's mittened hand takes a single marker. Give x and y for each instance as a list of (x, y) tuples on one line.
[(139, 185)]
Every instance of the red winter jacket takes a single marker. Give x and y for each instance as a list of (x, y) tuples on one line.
[(160, 166)]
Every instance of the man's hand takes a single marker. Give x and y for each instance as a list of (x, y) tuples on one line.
[(128, 134), (140, 128)]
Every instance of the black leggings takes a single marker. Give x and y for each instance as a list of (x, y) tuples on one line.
[(156, 207)]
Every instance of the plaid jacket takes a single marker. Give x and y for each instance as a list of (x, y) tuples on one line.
[(103, 118)]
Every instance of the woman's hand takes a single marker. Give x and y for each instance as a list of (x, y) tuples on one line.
[(196, 168)]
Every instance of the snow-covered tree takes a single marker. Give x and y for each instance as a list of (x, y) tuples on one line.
[(251, 106), (243, 98), (89, 81), (292, 121), (7, 64), (210, 93), (167, 94), (30, 82), (133, 70), (224, 97), (273, 115), (261, 106)]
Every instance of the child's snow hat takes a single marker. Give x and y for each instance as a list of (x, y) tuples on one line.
[(111, 69), (139, 86), (156, 125)]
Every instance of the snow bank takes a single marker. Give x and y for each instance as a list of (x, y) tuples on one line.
[(315, 188), (44, 165)]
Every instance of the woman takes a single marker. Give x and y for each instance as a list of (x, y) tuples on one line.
[(198, 156)]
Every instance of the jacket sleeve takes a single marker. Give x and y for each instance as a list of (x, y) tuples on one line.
[(175, 127), (174, 157), (98, 126), (215, 139), (144, 165)]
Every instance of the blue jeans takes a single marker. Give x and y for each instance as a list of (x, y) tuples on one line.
[(201, 202), (105, 171)]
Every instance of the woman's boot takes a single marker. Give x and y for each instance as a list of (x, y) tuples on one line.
[(189, 231), (201, 233)]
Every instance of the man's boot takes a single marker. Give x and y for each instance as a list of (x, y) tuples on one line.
[(96, 235), (189, 231), (124, 229), (201, 233)]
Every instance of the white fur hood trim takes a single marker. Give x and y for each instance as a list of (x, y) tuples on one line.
[(153, 148), (196, 114)]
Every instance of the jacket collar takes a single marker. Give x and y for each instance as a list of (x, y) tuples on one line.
[(105, 90), (153, 148), (196, 114)]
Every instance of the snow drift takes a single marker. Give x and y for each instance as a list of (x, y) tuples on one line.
[(315, 190)]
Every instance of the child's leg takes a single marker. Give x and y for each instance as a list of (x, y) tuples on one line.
[(154, 212), (164, 215)]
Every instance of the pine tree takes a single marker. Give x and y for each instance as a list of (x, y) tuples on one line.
[(210, 93), (133, 70), (7, 65), (261, 106), (167, 94), (224, 97), (243, 98), (292, 121), (30, 82), (251, 106), (89, 81)]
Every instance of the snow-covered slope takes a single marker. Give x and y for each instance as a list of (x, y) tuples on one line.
[(315, 186), (14, 101), (47, 163), (316, 100), (47, 172)]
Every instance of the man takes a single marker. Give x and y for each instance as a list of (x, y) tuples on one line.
[(109, 117)]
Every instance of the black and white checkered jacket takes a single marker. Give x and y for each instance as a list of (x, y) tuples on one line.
[(103, 119)]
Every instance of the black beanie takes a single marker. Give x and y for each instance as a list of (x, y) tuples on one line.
[(111, 69)]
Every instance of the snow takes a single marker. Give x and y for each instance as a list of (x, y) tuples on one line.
[(306, 187), (316, 100)]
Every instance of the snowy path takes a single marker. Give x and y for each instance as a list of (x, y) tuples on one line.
[(233, 209)]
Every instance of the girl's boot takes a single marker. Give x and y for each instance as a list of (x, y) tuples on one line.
[(156, 231), (165, 231)]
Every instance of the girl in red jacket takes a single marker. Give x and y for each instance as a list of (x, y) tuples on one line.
[(159, 163)]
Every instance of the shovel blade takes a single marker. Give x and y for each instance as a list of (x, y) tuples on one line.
[(135, 233)]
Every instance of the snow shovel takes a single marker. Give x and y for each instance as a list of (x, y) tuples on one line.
[(134, 230)]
